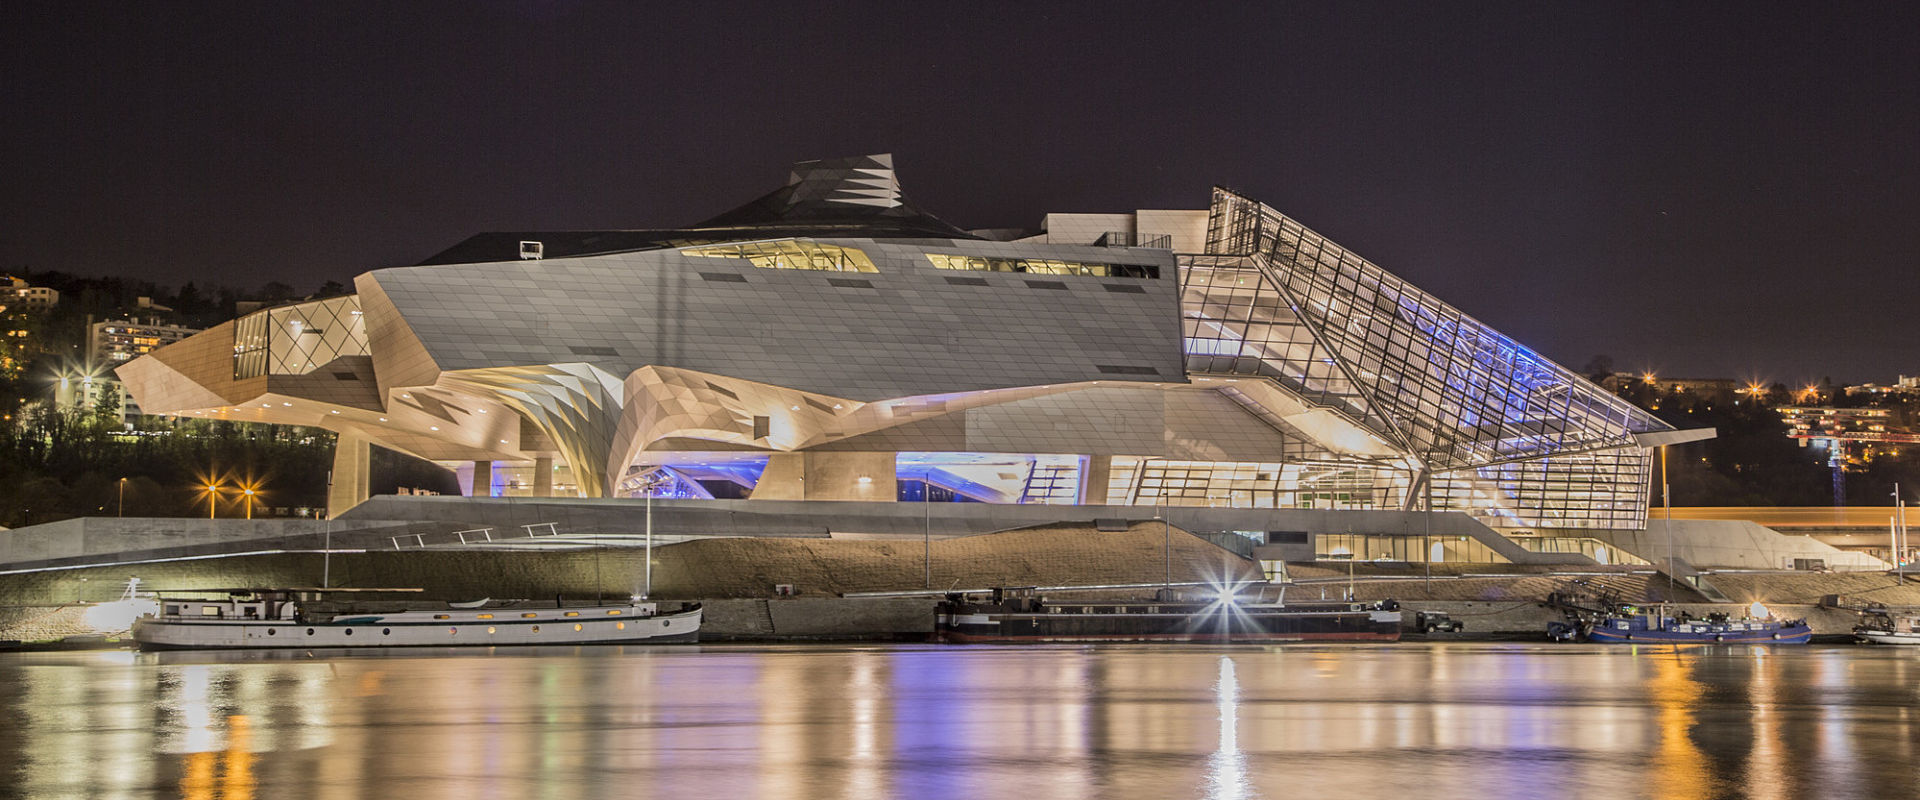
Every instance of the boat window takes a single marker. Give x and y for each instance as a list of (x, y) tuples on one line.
[(309, 631), (443, 616), (613, 612), (173, 609), (489, 629), (349, 631), (620, 626), (573, 613), (1620, 624), (529, 615), (252, 612), (386, 631), (576, 626), (483, 616), (270, 631), (536, 629), (453, 631), (209, 611)]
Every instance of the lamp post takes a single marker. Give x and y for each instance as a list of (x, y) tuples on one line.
[(122, 510), (646, 589), (926, 537), (249, 492), (213, 496), (1666, 500), (1343, 554)]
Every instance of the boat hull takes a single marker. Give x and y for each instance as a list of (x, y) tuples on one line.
[(1200, 625), (374, 630), (1793, 634), (1887, 637)]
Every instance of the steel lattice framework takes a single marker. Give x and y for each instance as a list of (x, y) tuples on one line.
[(1496, 428)]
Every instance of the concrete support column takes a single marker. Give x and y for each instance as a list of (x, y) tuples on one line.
[(785, 478), (828, 476), (482, 479), (543, 477), (852, 476), (1093, 480), (352, 457)]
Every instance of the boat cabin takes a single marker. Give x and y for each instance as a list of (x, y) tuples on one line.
[(236, 606)]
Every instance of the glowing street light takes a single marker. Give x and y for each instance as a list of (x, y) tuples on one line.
[(250, 493), (213, 496)]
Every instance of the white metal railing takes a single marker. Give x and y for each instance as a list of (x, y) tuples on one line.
[(474, 535), (485, 533)]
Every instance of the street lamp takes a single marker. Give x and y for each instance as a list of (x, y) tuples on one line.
[(213, 495), (249, 492), (1343, 554), (122, 511)]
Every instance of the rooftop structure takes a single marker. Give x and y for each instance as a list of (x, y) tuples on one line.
[(18, 293), (831, 341), (117, 341)]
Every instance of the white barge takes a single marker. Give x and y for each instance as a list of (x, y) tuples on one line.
[(281, 618), (1883, 626)]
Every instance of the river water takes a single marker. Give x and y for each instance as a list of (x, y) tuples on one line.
[(1467, 720)]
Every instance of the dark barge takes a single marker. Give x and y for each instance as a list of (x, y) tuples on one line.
[(1009, 617)]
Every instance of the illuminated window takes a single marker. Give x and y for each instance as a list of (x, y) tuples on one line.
[(209, 611), (1042, 266), (298, 339), (791, 254), (613, 612), (576, 626), (529, 615), (573, 613), (483, 616), (489, 629), (442, 616)]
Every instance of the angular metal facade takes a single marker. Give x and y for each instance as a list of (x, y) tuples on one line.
[(831, 341)]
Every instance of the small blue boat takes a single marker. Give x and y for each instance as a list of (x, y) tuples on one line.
[(1636, 626)]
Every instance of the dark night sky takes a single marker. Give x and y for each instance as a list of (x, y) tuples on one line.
[(1708, 189)]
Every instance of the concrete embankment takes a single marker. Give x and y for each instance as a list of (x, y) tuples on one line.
[(736, 580)]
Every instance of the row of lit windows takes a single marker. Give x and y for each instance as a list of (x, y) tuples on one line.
[(577, 627), (1042, 266), (531, 615), (791, 254)]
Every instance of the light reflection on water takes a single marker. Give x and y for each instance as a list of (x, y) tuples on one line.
[(1034, 723)]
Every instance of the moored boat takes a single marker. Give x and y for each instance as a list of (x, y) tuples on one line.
[(1008, 617), (1631, 625), (1883, 626), (285, 618)]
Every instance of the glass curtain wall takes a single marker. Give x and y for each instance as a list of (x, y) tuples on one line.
[(1509, 435)]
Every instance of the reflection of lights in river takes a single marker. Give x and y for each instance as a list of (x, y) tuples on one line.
[(1679, 768), (865, 779), (1766, 765), (1227, 777)]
